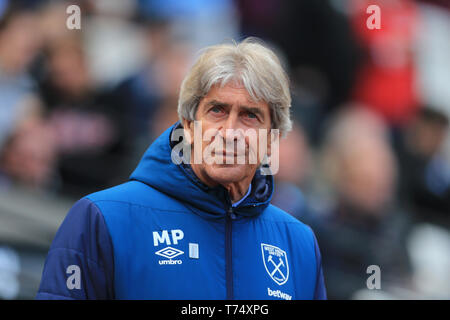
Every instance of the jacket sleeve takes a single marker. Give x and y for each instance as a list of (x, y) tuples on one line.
[(80, 262), (320, 292)]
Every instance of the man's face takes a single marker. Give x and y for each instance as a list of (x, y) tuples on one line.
[(224, 108)]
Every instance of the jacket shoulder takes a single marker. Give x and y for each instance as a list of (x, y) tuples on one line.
[(276, 215), (82, 246), (134, 193)]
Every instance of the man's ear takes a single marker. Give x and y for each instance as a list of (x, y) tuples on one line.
[(273, 150), (273, 141), (188, 126), (269, 142)]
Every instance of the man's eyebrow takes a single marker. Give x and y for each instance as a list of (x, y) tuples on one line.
[(217, 103), (255, 110)]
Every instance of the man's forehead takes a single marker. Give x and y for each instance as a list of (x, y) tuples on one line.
[(230, 94)]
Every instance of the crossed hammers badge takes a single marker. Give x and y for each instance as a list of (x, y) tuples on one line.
[(276, 263)]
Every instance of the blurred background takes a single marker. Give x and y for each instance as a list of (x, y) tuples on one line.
[(367, 165)]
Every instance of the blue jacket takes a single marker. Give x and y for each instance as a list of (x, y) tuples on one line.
[(166, 235)]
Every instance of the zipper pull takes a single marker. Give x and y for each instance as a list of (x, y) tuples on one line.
[(231, 213)]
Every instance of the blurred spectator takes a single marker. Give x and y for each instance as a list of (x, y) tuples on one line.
[(150, 97), (432, 54), (19, 43), (425, 174), (19, 39), (386, 79), (171, 72), (319, 46), (29, 155), (113, 40), (364, 226), (22, 158), (89, 133), (52, 20), (294, 166)]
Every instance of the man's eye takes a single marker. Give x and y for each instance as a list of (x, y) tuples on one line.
[(216, 110), (251, 115)]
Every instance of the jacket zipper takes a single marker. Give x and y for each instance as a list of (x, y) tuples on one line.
[(229, 252)]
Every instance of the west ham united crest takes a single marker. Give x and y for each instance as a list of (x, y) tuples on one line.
[(276, 263)]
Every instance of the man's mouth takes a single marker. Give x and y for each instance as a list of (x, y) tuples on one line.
[(227, 154)]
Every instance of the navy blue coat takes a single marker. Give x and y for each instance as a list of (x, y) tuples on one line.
[(166, 235)]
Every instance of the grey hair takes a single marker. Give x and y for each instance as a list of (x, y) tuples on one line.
[(248, 62)]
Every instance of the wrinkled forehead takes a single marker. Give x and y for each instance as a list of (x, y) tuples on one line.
[(232, 93)]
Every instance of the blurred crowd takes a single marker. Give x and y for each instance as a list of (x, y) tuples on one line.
[(367, 164)]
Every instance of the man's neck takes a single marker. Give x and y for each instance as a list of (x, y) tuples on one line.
[(236, 190)]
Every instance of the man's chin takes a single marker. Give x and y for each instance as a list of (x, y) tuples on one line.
[(226, 173)]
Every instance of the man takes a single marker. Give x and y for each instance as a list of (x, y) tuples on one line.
[(196, 229)]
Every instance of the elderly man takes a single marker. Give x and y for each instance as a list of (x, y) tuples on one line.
[(196, 229)]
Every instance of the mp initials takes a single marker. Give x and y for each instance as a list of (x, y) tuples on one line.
[(165, 237)]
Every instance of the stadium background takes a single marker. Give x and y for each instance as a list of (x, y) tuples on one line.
[(367, 164)]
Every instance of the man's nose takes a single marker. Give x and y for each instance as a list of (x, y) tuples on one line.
[(231, 127)]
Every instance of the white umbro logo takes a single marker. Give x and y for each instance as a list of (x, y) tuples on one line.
[(169, 252)]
